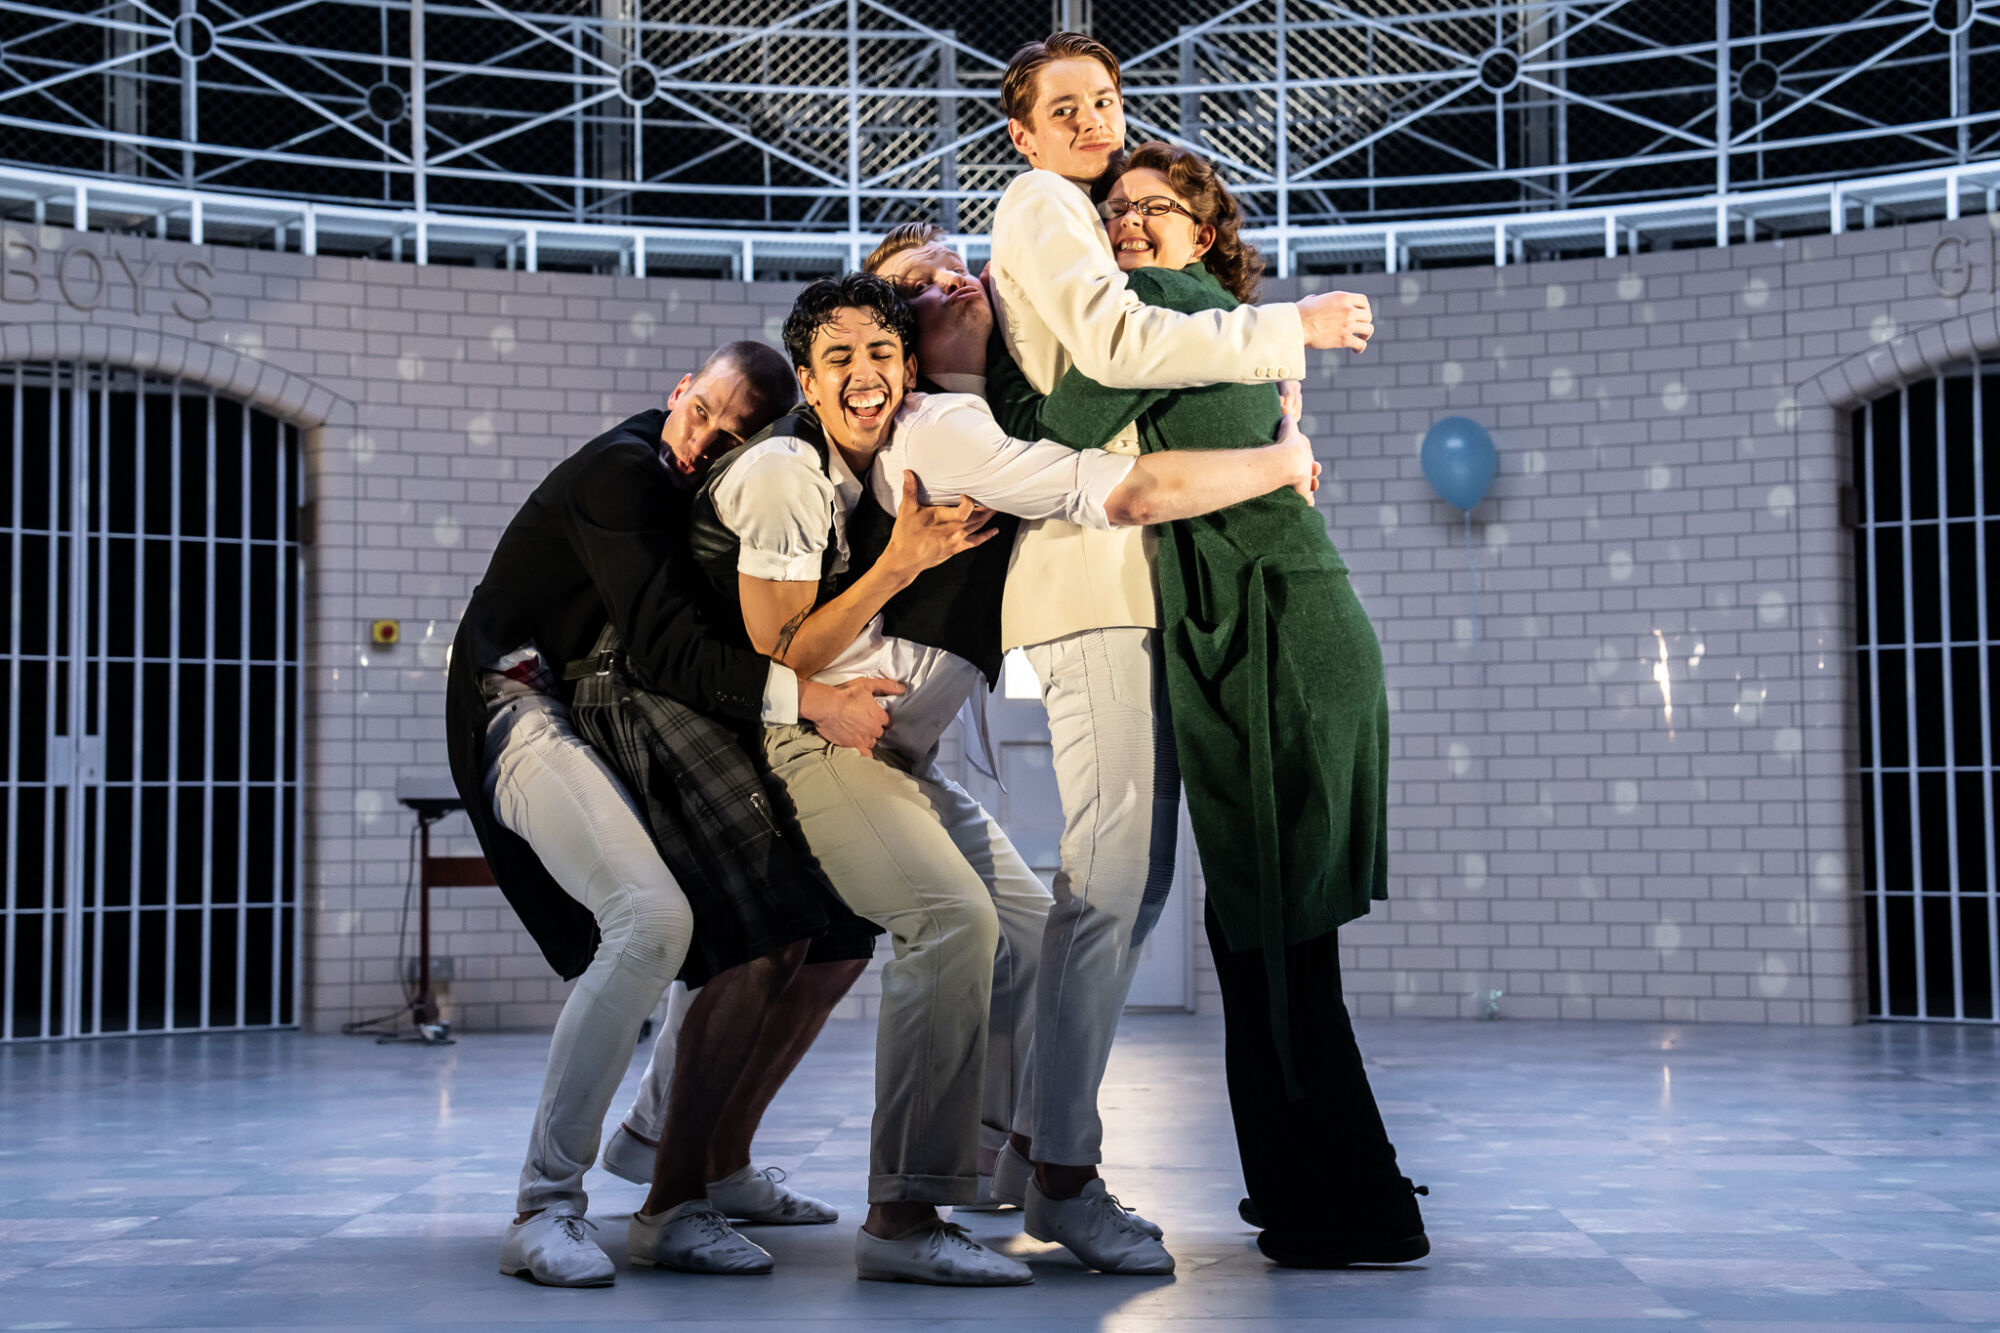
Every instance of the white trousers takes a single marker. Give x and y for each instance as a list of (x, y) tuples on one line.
[(1120, 787), (910, 850), (553, 790), (649, 1107)]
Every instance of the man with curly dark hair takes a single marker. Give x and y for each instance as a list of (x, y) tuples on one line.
[(794, 528), (602, 540)]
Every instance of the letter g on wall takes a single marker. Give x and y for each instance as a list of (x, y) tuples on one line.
[(1951, 270)]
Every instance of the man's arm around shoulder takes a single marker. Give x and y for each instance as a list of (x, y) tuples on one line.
[(611, 517)]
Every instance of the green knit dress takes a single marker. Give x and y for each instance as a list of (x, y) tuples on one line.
[(1274, 674)]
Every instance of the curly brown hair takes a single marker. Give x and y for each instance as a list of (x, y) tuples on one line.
[(1233, 260)]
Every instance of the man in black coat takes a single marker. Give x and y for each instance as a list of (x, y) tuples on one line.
[(603, 539)]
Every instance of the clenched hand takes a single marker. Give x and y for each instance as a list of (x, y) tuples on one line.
[(1305, 478), (1337, 319), (849, 714)]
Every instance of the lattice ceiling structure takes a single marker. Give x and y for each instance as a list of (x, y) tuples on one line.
[(843, 116)]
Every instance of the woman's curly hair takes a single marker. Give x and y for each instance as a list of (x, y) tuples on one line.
[(1234, 261)]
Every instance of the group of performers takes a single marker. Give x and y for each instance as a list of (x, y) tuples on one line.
[(696, 701)]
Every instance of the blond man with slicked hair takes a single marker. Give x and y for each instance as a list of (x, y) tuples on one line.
[(904, 236), (954, 316)]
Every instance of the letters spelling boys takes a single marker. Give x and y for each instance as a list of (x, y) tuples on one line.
[(87, 280)]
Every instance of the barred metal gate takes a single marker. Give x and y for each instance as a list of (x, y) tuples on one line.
[(150, 809), (1929, 601)]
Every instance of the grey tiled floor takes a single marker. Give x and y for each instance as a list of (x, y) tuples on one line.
[(1584, 1177)]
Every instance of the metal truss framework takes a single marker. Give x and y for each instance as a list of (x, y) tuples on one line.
[(823, 121)]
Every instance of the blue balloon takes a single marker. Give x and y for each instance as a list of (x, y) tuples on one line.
[(1459, 459)]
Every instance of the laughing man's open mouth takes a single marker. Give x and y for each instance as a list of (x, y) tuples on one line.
[(866, 405)]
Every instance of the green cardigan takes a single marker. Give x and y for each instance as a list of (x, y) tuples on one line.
[(1274, 674)]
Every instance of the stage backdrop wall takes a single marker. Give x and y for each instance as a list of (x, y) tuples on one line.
[(1671, 446)]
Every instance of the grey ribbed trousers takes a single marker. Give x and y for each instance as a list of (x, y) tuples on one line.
[(1120, 787)]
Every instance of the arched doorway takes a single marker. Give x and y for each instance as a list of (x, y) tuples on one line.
[(1927, 581), (150, 760)]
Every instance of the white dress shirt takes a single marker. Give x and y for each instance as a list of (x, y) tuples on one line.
[(784, 511), (1062, 300)]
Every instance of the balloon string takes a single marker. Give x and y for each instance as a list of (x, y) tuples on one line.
[(1472, 603)]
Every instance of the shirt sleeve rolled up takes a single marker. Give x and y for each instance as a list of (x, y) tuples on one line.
[(780, 506)]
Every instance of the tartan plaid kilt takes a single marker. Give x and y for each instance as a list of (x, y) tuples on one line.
[(743, 866)]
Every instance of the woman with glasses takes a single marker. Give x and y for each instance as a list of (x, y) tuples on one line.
[(1281, 720)]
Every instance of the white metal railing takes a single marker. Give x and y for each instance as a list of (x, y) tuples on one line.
[(841, 115), (202, 216)]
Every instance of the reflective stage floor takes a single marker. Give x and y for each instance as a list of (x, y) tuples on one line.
[(1583, 1177)]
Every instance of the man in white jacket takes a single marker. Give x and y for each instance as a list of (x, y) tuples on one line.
[(1081, 604)]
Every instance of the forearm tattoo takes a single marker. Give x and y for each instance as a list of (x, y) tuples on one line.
[(791, 628)]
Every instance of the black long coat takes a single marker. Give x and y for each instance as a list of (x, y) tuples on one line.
[(603, 537)]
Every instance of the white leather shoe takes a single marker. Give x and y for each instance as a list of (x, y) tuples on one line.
[(1002, 1189), (1150, 1228), (985, 1203), (1011, 1174), (694, 1238), (757, 1194), (1097, 1229), (627, 1158), (1146, 1225), (938, 1253), (1008, 1185), (554, 1249)]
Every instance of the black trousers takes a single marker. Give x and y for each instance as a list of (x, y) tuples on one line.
[(1322, 1164)]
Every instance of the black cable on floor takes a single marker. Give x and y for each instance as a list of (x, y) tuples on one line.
[(364, 1027)]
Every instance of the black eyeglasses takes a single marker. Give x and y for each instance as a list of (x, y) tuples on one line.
[(1152, 206)]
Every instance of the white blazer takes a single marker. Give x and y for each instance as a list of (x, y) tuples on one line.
[(1062, 301)]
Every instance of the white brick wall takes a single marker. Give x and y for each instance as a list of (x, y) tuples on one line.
[(1670, 448)]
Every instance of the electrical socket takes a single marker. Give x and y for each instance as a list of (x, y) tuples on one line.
[(441, 969)]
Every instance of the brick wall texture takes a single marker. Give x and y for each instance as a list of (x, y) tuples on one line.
[(1671, 429)]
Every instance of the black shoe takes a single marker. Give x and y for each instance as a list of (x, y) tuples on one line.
[(1248, 1212), (1295, 1248), (1305, 1249)]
